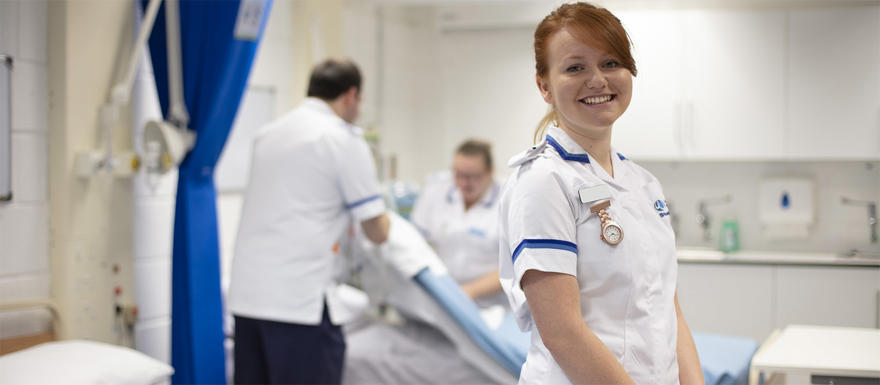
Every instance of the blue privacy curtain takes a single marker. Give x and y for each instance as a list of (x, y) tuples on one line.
[(215, 71)]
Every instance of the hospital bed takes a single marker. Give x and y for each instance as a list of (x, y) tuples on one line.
[(37, 358), (441, 337)]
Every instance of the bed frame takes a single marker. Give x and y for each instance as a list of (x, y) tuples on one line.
[(13, 344)]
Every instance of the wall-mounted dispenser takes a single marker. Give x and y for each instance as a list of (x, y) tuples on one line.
[(786, 207)]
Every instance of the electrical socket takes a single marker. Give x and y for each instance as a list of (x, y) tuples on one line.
[(129, 313)]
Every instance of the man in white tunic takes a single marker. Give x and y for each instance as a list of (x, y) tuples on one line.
[(312, 176)]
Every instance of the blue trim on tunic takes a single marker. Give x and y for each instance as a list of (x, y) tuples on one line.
[(583, 158), (362, 201), (543, 244)]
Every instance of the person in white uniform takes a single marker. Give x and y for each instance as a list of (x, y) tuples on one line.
[(458, 215), (587, 253), (312, 176)]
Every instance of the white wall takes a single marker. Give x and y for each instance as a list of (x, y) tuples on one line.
[(453, 72), (410, 121), (24, 222), (91, 233)]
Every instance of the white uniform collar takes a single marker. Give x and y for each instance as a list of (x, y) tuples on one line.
[(321, 106), (569, 150)]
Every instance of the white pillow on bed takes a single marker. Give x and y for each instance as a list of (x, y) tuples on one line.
[(82, 362)]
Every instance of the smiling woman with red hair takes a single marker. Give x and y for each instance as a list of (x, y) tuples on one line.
[(601, 306)]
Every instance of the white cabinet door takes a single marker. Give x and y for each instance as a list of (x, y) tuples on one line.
[(727, 299), (734, 66), (650, 128), (834, 85), (831, 296)]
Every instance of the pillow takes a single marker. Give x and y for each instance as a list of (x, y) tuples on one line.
[(82, 362)]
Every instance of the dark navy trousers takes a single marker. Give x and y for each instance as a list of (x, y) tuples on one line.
[(270, 352)]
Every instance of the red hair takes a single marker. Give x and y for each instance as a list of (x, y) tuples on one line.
[(590, 24)]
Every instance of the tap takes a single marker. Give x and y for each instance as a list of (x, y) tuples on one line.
[(703, 217), (872, 213)]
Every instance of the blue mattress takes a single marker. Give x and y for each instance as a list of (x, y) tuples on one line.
[(506, 344), (725, 359)]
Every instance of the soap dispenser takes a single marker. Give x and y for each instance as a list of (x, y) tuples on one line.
[(729, 235)]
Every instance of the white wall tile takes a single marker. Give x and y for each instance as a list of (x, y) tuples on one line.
[(24, 234), (153, 338), (153, 228), (23, 287), (30, 96), (153, 287), (30, 169), (9, 28), (25, 322), (24, 224), (33, 29)]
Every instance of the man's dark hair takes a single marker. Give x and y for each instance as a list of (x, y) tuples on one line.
[(476, 147), (333, 77)]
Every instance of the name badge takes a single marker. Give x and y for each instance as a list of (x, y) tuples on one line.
[(595, 193)]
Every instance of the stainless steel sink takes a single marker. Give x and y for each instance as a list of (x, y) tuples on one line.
[(856, 253)]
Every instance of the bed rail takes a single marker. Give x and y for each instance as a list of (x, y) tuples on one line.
[(12, 344)]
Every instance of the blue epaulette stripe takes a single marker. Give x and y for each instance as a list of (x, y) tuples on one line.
[(362, 201), (543, 244), (584, 158), (619, 155)]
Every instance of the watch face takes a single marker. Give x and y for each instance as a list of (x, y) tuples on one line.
[(612, 233)]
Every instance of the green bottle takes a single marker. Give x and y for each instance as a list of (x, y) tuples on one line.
[(729, 236)]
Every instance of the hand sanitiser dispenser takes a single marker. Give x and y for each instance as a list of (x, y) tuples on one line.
[(786, 207)]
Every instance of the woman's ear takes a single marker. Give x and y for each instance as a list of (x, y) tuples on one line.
[(544, 87)]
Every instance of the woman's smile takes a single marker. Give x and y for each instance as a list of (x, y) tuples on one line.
[(597, 100)]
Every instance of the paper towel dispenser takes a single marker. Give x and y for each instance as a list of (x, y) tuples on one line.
[(786, 207)]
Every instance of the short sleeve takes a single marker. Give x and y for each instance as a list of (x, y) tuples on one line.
[(357, 179), (541, 226), (429, 204)]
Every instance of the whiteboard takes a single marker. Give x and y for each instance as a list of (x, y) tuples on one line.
[(5, 128), (233, 169)]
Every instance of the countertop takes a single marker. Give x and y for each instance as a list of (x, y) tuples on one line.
[(820, 350), (757, 257)]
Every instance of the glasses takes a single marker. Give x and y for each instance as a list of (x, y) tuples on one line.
[(468, 176)]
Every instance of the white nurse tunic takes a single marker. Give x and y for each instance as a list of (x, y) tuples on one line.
[(626, 291)]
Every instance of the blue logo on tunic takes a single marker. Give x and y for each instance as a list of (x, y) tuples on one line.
[(477, 232), (662, 209)]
